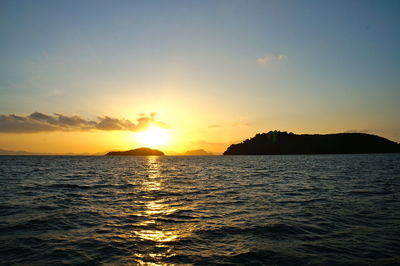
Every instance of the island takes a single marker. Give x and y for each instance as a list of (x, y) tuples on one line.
[(199, 152), (138, 152), (277, 142)]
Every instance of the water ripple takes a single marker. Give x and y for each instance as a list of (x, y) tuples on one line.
[(258, 210)]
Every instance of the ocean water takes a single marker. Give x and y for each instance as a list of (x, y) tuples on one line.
[(246, 210)]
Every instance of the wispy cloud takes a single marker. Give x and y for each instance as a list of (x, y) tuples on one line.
[(214, 126), (269, 59), (39, 122), (357, 131), (241, 124)]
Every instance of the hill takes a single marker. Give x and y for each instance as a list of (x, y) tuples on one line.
[(198, 152), (138, 152), (276, 142), (8, 152)]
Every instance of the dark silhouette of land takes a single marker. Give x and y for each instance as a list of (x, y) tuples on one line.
[(138, 152), (199, 152), (27, 153), (276, 142), (7, 152)]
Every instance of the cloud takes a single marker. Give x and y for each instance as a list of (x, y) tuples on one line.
[(269, 59), (39, 122), (241, 124), (214, 126), (357, 131)]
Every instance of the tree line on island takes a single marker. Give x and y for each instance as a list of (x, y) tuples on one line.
[(277, 142)]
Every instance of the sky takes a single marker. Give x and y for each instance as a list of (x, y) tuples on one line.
[(89, 76)]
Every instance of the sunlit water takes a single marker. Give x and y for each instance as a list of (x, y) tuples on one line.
[(282, 210)]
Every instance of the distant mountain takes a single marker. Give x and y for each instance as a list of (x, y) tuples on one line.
[(276, 142), (137, 152), (6, 152), (197, 152)]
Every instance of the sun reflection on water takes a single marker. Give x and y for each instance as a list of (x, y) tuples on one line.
[(156, 209)]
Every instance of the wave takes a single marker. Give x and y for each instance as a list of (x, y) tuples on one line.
[(275, 210)]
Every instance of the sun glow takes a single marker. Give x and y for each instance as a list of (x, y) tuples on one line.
[(154, 136)]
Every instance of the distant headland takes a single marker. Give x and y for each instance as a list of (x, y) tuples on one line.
[(277, 142), (138, 152), (199, 152)]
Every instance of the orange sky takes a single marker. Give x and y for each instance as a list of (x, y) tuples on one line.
[(216, 72)]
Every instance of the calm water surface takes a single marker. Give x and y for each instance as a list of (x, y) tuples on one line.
[(259, 210)]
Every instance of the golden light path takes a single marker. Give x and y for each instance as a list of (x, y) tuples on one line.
[(154, 136), (156, 208)]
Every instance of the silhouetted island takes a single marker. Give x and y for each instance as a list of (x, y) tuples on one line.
[(276, 142), (137, 152), (199, 152)]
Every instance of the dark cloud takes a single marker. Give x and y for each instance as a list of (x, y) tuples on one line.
[(39, 122)]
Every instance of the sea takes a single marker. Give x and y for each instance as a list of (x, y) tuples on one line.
[(200, 210)]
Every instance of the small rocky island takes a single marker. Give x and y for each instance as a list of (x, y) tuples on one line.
[(138, 152), (277, 142)]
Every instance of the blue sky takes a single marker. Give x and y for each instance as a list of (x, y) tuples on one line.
[(302, 66)]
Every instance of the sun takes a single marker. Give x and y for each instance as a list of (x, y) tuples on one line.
[(154, 136)]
